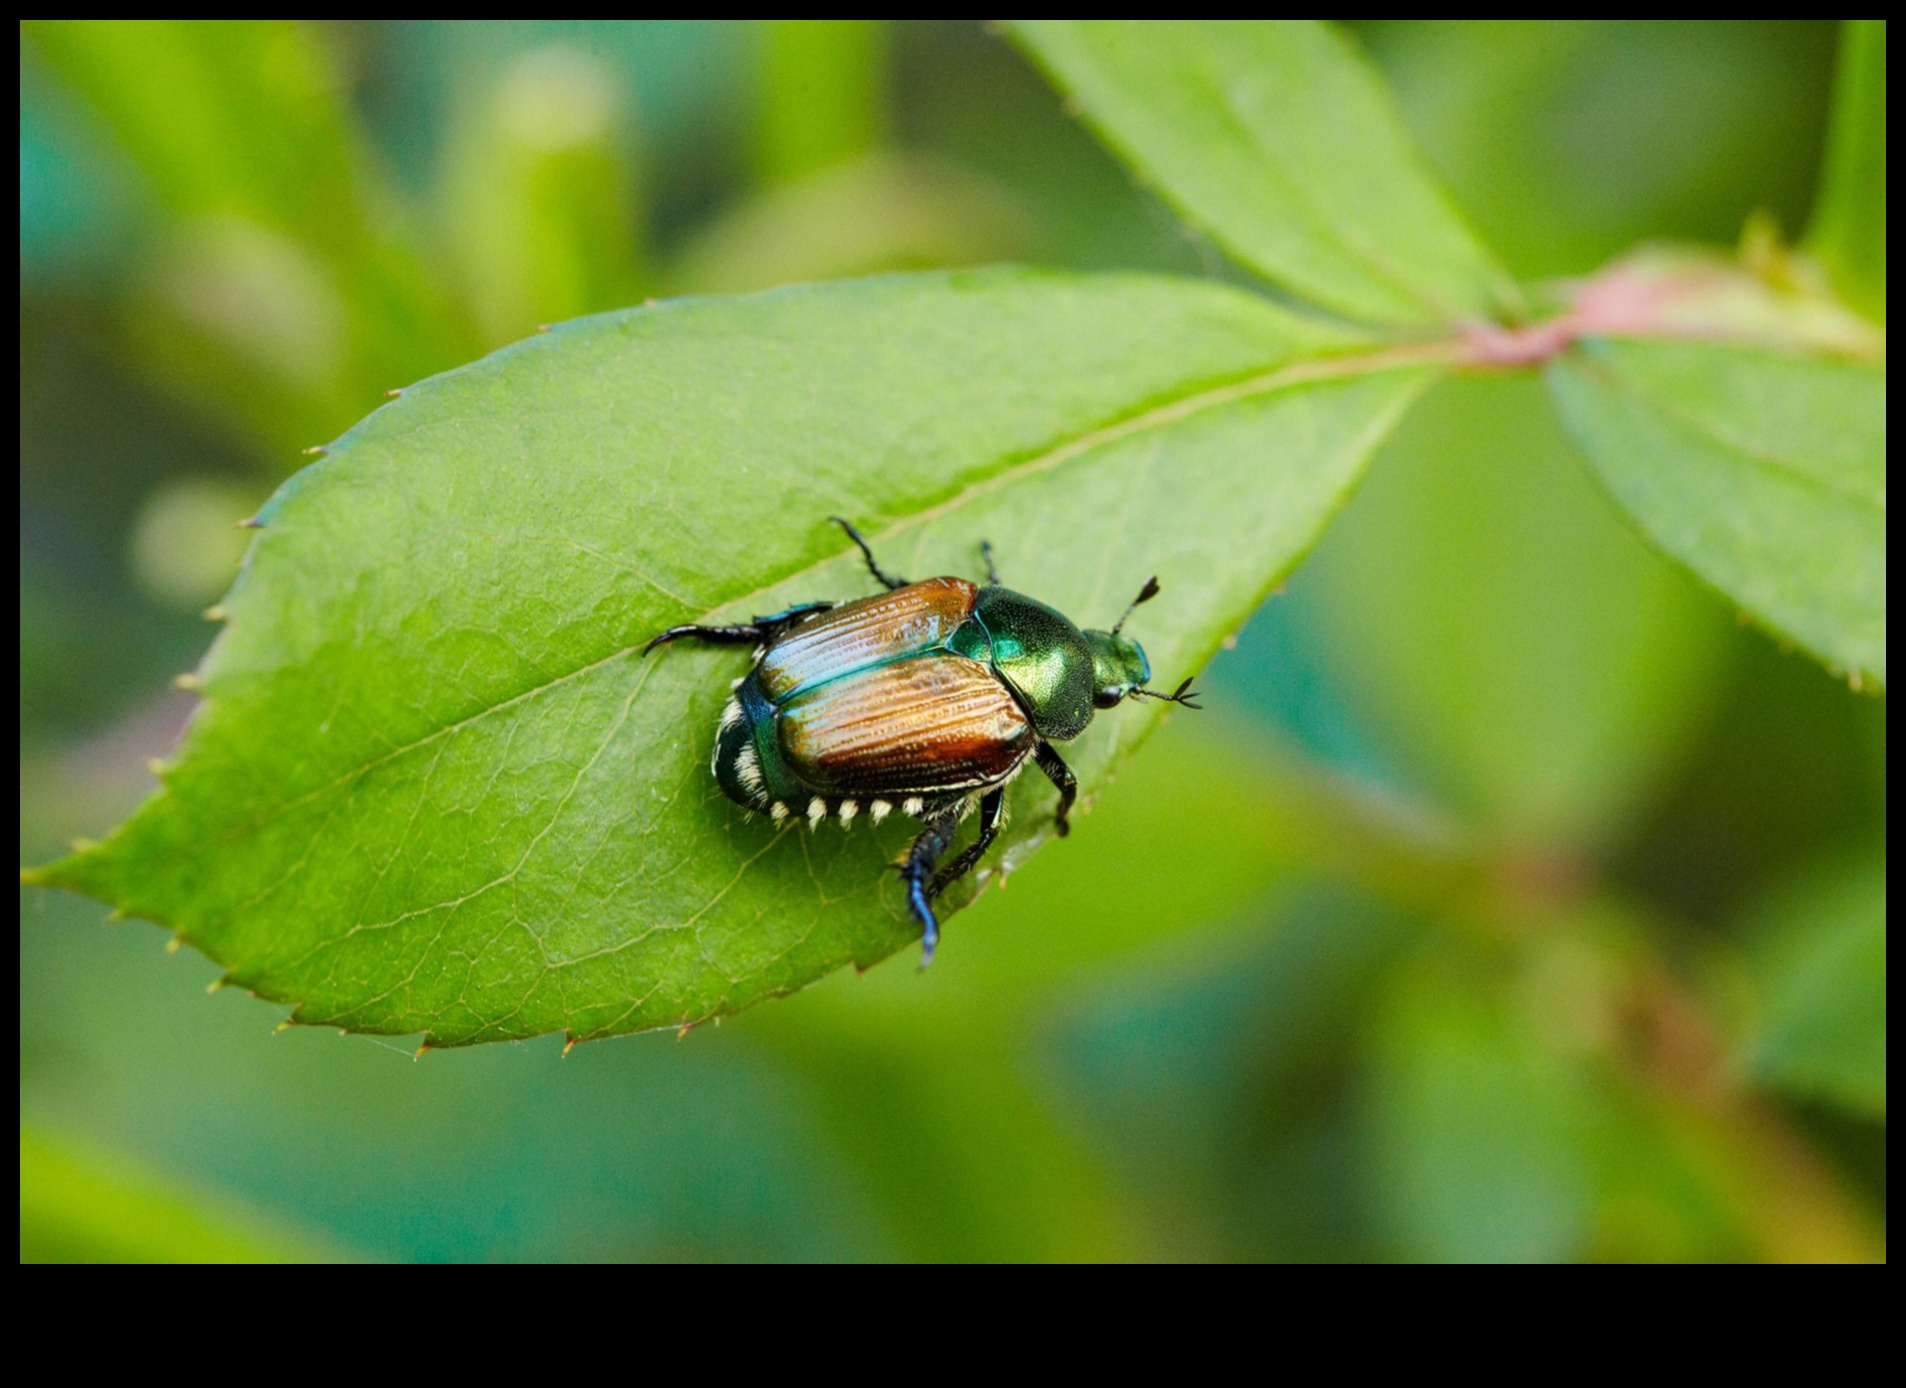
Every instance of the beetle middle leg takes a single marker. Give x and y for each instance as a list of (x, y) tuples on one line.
[(873, 567), (760, 632), (992, 813), (916, 870), (1061, 776)]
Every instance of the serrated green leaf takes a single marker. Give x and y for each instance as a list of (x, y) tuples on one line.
[(434, 786), (1278, 140), (1821, 952), (1849, 222), (1764, 473)]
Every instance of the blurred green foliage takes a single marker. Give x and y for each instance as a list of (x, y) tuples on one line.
[(1518, 904), (77, 1208), (1848, 230)]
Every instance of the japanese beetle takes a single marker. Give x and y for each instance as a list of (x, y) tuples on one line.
[(926, 699)]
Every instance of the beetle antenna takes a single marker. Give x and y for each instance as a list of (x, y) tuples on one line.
[(1183, 694), (1145, 594)]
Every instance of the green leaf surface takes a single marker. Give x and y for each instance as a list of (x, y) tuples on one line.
[(1849, 221), (1821, 956), (1764, 473), (1278, 140), (434, 786)]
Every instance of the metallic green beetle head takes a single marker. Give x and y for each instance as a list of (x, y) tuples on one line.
[(1118, 667)]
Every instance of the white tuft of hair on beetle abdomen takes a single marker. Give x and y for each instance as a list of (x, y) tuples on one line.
[(748, 769)]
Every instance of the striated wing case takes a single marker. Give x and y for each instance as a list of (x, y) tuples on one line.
[(870, 632), (937, 722)]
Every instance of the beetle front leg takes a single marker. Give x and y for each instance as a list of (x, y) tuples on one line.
[(761, 631), (744, 634), (1061, 776), (992, 813), (917, 872)]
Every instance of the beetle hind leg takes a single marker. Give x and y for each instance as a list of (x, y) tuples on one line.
[(916, 870), (992, 814)]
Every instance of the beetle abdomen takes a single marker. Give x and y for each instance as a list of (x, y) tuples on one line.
[(748, 765), (934, 723)]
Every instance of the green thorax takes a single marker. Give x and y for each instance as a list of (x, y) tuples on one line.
[(1041, 655)]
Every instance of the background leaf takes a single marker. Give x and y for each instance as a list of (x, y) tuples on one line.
[(1765, 474), (78, 1207), (821, 89), (1522, 655), (1472, 1131), (1278, 140), (281, 288), (1849, 222), (434, 787), (540, 205), (1821, 956)]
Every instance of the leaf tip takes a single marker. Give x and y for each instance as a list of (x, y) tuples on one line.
[(188, 680), (393, 392), (116, 915), (286, 1025), (316, 450), (418, 1054), (251, 523), (216, 613), (222, 981), (570, 1042)]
